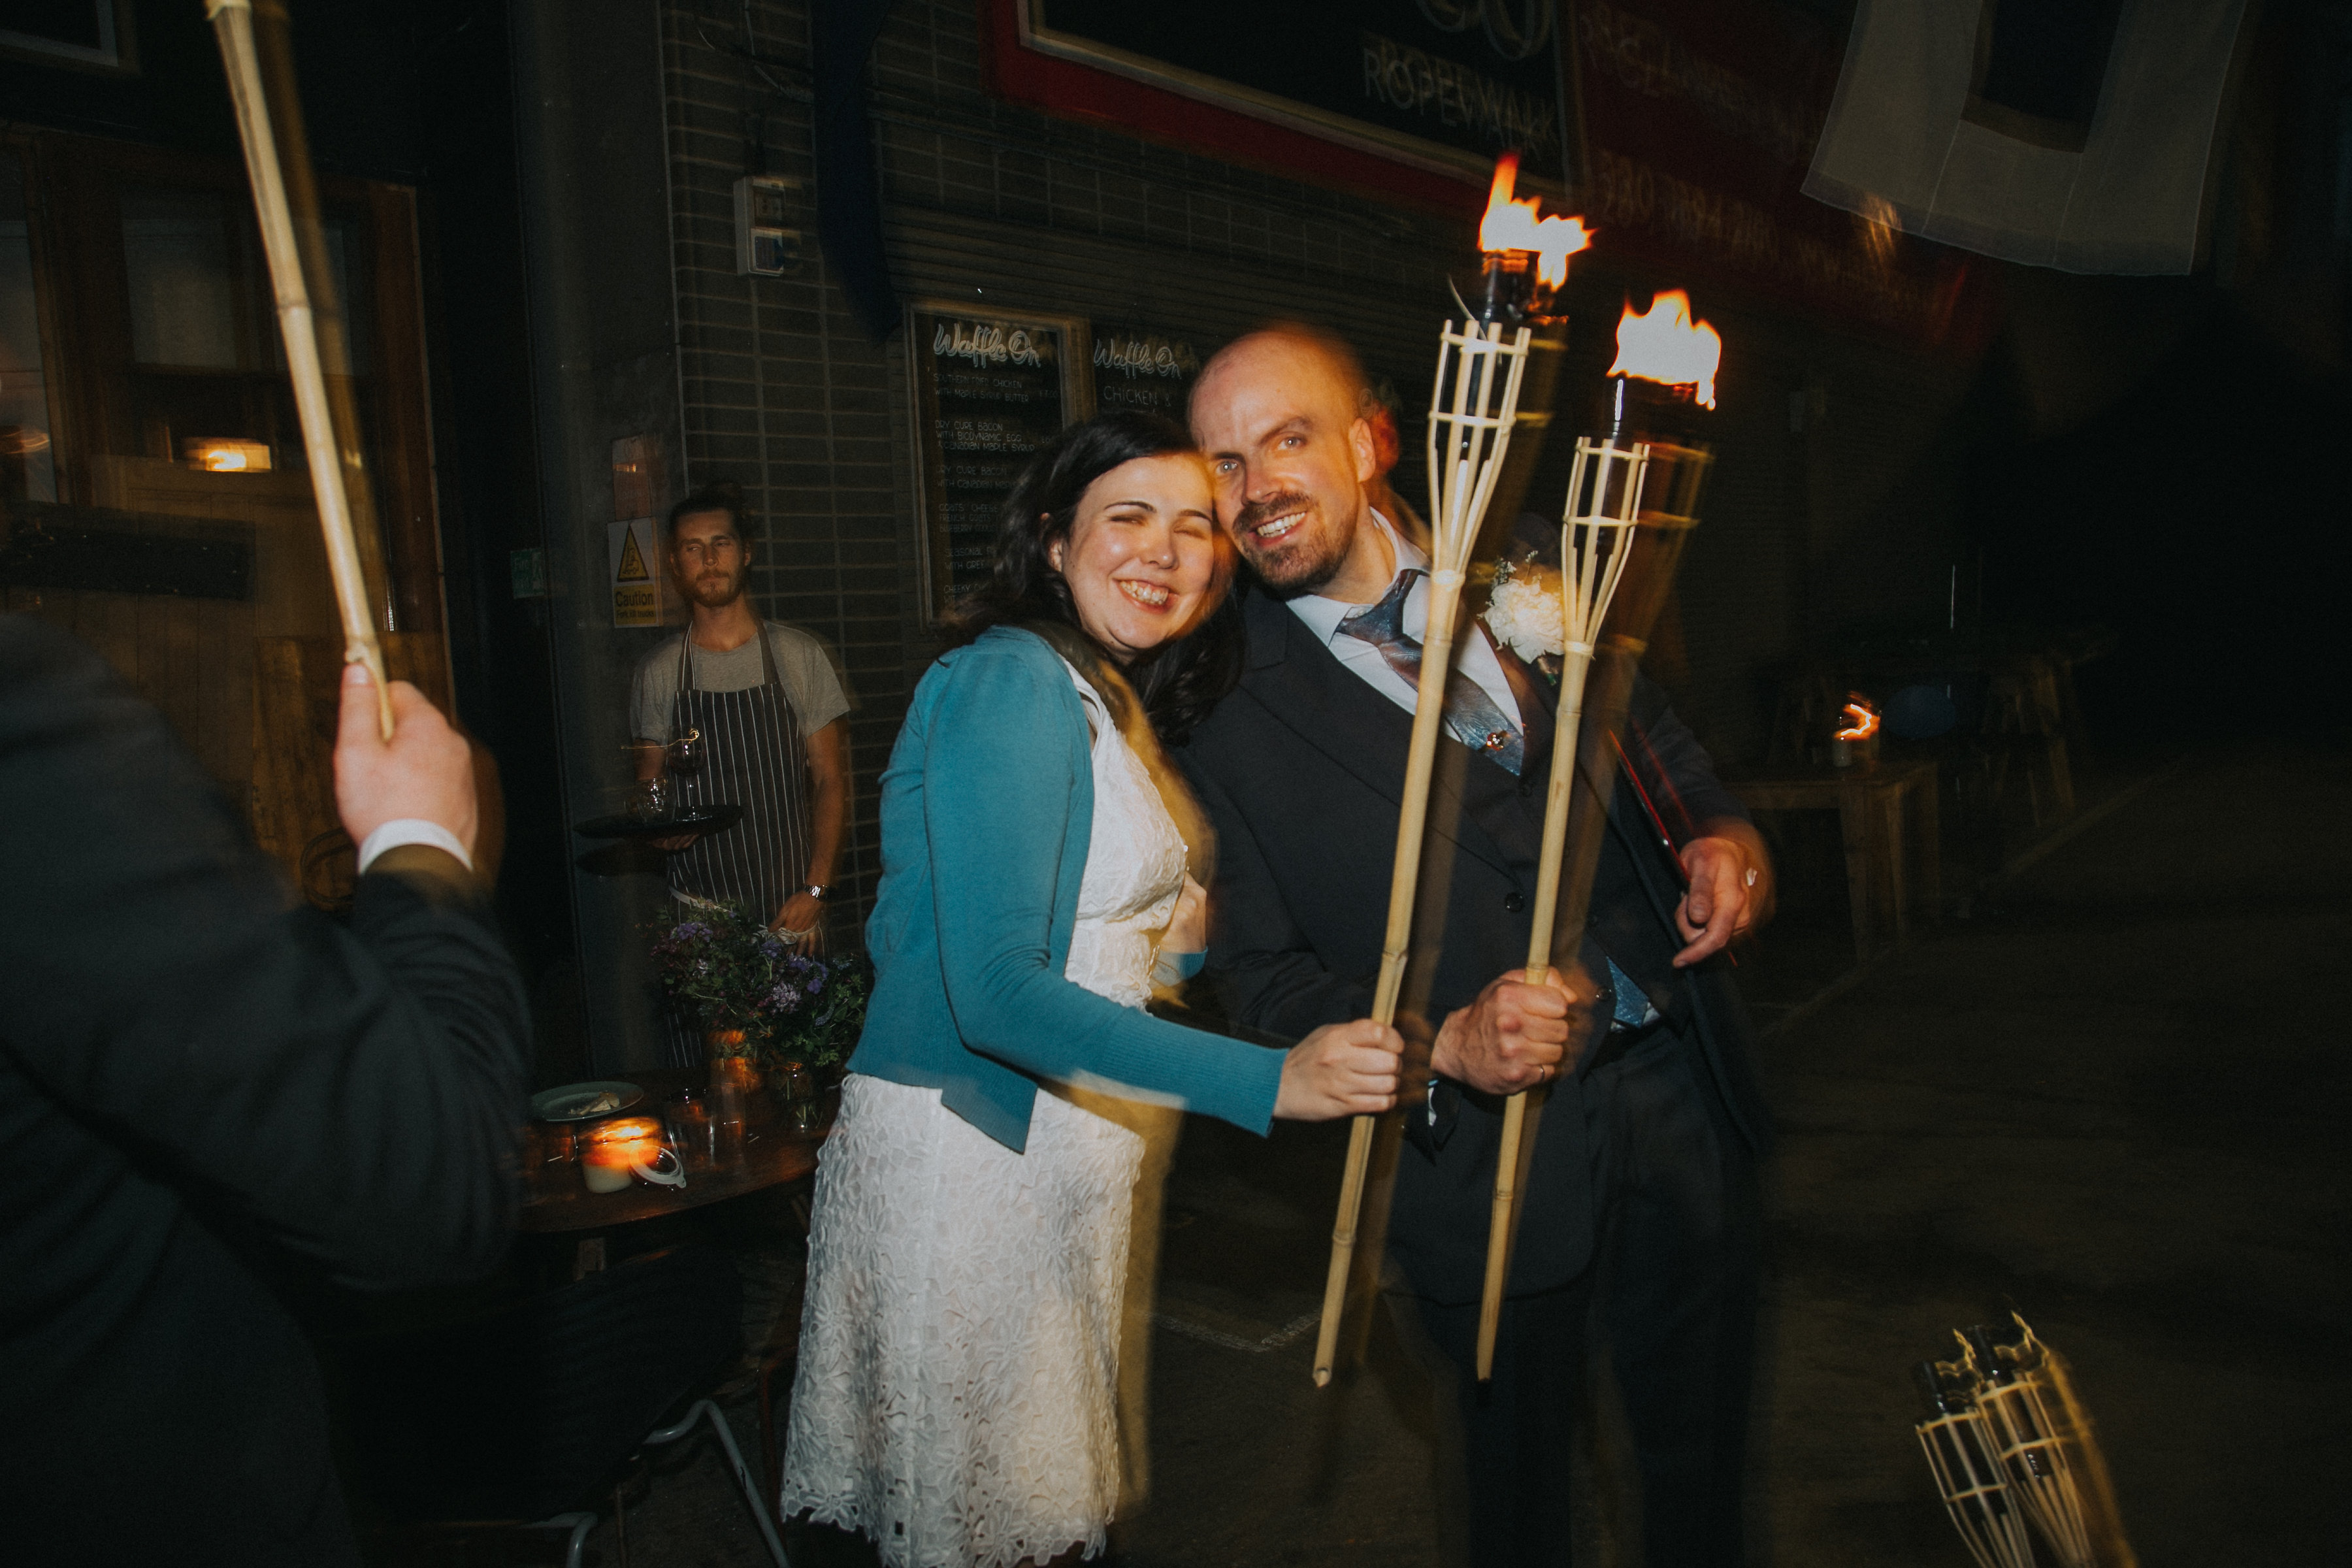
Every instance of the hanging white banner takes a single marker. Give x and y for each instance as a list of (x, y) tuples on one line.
[(2058, 135)]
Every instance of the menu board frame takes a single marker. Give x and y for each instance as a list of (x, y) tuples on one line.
[(925, 358)]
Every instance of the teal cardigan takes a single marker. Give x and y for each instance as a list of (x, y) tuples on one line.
[(987, 809)]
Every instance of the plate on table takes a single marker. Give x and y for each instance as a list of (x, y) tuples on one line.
[(585, 1101), (715, 818)]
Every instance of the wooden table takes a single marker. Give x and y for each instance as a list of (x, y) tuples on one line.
[(768, 1153), (1875, 803)]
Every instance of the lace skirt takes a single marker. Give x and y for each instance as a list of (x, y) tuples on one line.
[(955, 1400)]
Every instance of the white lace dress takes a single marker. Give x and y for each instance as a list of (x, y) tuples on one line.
[(955, 1401)]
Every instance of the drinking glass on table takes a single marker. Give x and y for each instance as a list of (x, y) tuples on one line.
[(694, 1133), (799, 1096)]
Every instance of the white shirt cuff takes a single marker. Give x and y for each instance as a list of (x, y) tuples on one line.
[(403, 830)]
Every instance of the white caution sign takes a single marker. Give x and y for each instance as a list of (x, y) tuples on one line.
[(636, 572)]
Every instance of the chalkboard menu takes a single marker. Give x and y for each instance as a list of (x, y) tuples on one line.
[(1138, 368), (1443, 83), (989, 391)]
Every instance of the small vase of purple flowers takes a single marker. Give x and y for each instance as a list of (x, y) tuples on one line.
[(766, 1001)]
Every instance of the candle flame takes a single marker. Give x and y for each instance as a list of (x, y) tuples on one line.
[(1510, 224), (1663, 344), (1864, 721), (622, 1141)]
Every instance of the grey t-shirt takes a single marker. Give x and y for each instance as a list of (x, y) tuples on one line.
[(811, 684)]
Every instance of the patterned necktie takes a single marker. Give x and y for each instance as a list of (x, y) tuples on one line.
[(1470, 714)]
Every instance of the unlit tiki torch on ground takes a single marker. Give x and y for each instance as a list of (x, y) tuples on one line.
[(233, 27)]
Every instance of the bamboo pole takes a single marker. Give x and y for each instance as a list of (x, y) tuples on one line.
[(232, 23), (273, 41), (1472, 403), (1604, 503)]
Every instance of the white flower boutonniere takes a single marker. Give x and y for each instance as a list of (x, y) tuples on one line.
[(1524, 610)]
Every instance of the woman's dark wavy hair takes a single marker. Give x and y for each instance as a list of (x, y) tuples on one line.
[(1178, 681)]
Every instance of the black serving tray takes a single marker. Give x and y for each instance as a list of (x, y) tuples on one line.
[(702, 819)]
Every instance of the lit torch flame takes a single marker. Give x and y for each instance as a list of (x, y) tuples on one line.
[(1865, 722), (1511, 225), (1663, 344)]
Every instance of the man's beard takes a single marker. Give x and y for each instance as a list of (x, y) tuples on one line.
[(1311, 558), (715, 591)]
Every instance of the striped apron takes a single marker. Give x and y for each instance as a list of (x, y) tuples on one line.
[(752, 757)]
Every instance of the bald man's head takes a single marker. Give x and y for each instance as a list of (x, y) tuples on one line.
[(1281, 413), (1302, 343)]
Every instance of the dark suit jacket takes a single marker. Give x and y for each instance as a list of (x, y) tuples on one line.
[(1301, 771), (210, 1101)]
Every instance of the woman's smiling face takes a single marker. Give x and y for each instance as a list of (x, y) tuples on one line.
[(1142, 557)]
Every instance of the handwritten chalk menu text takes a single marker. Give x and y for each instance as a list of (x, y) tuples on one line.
[(989, 391), (1140, 369)]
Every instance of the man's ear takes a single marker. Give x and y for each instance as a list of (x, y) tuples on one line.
[(1367, 450)]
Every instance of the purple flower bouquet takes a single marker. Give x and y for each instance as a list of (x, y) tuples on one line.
[(734, 976)]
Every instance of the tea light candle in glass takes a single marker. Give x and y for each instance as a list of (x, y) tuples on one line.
[(611, 1149)]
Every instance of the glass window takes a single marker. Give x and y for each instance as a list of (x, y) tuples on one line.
[(184, 304)]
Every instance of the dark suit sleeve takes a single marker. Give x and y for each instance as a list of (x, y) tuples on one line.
[(1265, 970), (1259, 959), (1674, 768), (353, 1093)]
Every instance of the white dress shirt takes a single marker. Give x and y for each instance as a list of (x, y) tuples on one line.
[(403, 830), (1474, 655)]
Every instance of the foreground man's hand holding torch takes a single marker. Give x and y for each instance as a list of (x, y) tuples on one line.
[(423, 771)]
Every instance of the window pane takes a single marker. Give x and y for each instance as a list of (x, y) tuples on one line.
[(184, 287), (28, 466)]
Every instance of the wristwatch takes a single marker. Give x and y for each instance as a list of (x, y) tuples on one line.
[(817, 890)]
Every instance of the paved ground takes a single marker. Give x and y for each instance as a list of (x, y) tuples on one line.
[(2114, 1098)]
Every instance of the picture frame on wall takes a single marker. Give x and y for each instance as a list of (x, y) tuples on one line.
[(989, 388), (90, 35), (1387, 97)]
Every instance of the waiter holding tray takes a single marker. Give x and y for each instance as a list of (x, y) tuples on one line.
[(742, 710)]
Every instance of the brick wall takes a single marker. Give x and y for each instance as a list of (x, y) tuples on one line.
[(1853, 515)]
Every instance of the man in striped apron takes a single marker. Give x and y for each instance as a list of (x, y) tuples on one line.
[(761, 704)]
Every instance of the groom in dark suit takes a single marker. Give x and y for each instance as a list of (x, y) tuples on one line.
[(1640, 1219)]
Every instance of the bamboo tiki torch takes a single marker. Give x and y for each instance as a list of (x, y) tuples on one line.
[(1617, 483), (233, 27), (1596, 538), (1473, 401)]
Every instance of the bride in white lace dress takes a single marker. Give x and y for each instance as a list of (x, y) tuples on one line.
[(955, 1400)]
